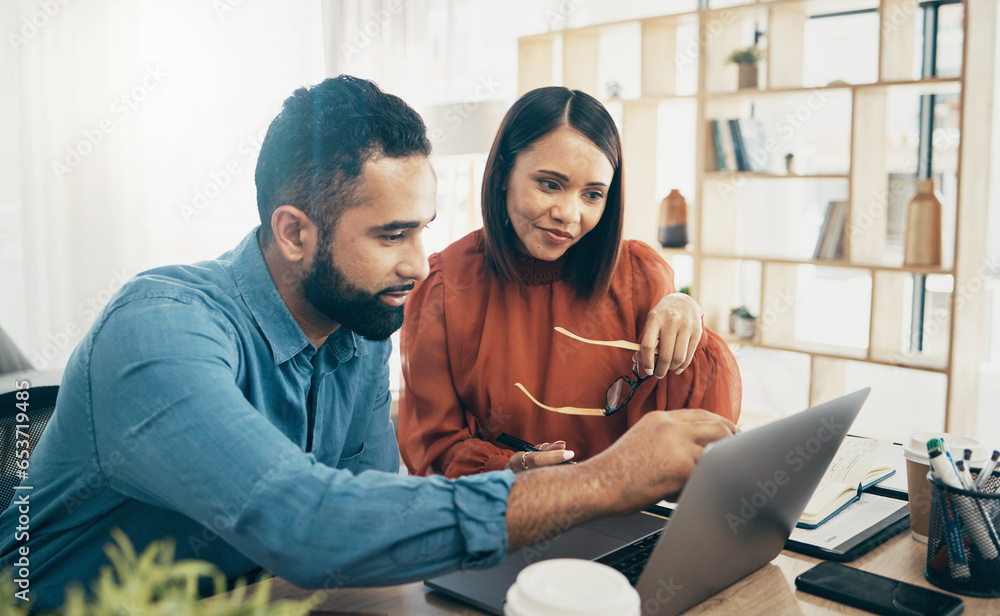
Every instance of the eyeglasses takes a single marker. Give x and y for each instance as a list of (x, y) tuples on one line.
[(622, 389), (618, 394)]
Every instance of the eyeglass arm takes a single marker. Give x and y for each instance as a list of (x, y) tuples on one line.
[(620, 344), (568, 410)]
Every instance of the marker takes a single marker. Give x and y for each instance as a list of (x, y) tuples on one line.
[(964, 474), (967, 456), (939, 444), (958, 561), (967, 509), (987, 472)]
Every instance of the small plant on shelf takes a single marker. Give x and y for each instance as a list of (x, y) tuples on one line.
[(741, 323), (747, 59), (747, 56)]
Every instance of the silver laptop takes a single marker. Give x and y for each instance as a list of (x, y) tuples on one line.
[(734, 515)]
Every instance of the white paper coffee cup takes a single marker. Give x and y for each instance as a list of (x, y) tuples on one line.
[(571, 587), (917, 467)]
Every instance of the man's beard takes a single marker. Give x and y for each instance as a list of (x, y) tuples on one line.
[(328, 290)]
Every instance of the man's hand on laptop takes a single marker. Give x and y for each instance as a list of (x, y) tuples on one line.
[(648, 463), (654, 459)]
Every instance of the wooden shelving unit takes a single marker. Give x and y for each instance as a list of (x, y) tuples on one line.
[(681, 63)]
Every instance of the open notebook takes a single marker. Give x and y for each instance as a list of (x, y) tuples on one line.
[(855, 468)]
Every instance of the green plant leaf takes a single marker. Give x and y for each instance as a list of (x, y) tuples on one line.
[(154, 584), (748, 55)]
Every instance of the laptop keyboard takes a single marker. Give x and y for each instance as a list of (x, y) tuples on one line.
[(631, 559)]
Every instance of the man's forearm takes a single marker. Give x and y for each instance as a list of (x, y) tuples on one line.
[(651, 461), (550, 500)]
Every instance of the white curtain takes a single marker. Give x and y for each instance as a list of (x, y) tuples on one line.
[(129, 129), (129, 132)]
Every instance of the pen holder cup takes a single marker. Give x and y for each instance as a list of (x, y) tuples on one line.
[(963, 547)]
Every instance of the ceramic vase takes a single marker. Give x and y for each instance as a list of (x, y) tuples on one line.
[(923, 227), (673, 220)]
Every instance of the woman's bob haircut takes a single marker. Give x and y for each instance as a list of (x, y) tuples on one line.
[(590, 263)]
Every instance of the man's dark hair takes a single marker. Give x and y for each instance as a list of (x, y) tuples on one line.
[(590, 264), (315, 149)]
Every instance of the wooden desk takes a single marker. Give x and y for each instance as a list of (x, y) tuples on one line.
[(768, 591)]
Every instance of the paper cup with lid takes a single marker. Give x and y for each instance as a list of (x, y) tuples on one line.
[(571, 587), (918, 465)]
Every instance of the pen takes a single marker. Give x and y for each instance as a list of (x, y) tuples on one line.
[(517, 444)]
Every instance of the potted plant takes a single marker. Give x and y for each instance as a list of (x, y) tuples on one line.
[(154, 584), (747, 59), (790, 163), (741, 323)]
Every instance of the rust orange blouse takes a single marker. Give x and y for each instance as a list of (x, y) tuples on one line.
[(468, 337)]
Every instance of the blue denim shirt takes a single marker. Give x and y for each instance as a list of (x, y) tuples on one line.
[(197, 409)]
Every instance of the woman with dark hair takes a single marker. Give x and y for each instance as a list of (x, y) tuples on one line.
[(481, 351)]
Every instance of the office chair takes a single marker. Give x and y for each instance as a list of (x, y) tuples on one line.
[(11, 357), (41, 401)]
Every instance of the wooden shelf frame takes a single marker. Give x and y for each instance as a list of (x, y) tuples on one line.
[(935, 85), (718, 33), (926, 270)]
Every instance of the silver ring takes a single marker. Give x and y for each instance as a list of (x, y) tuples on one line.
[(524, 461)]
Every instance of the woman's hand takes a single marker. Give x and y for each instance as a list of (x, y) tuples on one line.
[(673, 328), (547, 455)]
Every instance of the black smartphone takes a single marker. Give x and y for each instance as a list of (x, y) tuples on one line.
[(876, 593)]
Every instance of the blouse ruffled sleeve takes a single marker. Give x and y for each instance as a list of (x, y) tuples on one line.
[(712, 380), (437, 434)]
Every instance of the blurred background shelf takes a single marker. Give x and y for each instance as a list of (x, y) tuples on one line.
[(867, 95)]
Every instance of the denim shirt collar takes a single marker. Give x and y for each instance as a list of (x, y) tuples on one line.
[(282, 332)]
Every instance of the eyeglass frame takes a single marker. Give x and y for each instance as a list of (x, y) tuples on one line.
[(603, 412), (633, 384)]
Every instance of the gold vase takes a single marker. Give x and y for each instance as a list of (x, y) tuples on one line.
[(923, 227), (673, 220)]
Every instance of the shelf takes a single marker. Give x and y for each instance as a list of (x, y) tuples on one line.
[(727, 175), (813, 7), (850, 121), (844, 353), (943, 85), (830, 263), (936, 85), (752, 93), (687, 251)]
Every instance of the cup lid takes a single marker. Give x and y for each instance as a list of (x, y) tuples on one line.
[(916, 448), (571, 586)]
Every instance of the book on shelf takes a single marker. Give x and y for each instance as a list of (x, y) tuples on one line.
[(734, 131), (830, 241), (717, 156), (753, 143), (725, 143), (740, 145), (855, 468)]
